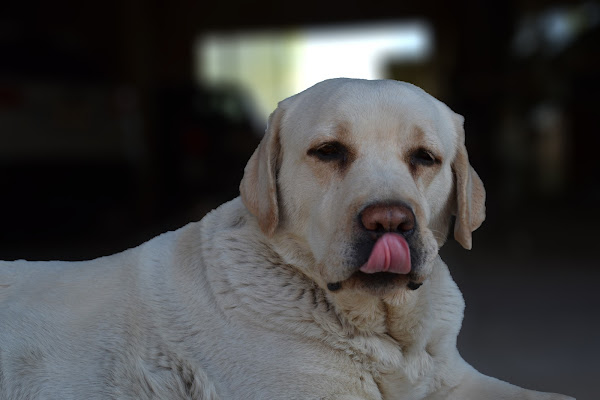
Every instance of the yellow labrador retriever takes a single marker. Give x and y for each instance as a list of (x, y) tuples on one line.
[(322, 281)]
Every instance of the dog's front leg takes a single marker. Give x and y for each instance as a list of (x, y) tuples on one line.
[(474, 385)]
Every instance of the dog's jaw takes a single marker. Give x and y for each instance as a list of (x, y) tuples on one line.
[(377, 284), (363, 312), (422, 248)]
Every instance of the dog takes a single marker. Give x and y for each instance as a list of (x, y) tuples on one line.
[(321, 281)]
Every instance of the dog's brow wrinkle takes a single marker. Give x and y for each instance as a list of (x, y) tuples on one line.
[(342, 130), (301, 293), (313, 293)]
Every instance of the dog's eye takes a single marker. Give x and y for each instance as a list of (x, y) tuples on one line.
[(423, 157), (330, 151)]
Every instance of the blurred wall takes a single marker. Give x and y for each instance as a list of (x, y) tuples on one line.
[(107, 139)]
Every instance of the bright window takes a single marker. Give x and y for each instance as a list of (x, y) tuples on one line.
[(273, 65)]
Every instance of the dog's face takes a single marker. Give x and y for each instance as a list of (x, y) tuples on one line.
[(357, 181)]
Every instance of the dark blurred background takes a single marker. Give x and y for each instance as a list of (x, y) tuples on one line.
[(122, 119)]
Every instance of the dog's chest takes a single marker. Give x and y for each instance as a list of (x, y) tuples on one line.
[(412, 379), (406, 360)]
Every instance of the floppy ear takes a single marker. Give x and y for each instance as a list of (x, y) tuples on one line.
[(259, 184), (470, 194)]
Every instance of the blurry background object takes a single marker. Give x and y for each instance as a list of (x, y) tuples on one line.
[(123, 119)]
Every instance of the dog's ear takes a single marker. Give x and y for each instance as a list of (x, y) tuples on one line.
[(259, 184), (470, 194)]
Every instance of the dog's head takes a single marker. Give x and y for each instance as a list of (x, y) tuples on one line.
[(356, 182)]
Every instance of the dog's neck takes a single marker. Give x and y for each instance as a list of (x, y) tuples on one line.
[(396, 314), (400, 314)]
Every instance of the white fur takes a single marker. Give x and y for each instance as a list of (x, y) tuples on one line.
[(236, 306)]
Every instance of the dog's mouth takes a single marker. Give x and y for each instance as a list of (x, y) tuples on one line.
[(378, 283), (388, 266)]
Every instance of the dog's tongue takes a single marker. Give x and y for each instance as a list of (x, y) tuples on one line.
[(390, 254)]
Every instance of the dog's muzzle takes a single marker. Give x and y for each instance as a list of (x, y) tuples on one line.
[(383, 252)]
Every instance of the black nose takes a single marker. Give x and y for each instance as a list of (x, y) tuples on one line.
[(388, 218)]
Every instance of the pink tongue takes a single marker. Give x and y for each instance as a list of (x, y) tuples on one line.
[(390, 254)]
